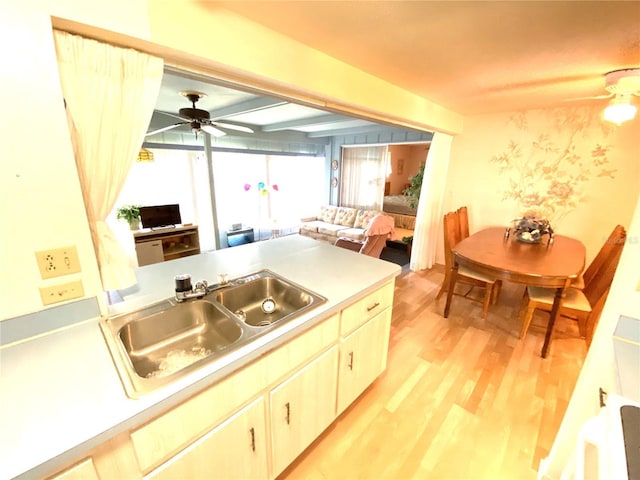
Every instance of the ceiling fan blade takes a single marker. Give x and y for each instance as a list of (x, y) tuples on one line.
[(168, 114), (597, 97), (231, 126), (212, 130), (164, 129)]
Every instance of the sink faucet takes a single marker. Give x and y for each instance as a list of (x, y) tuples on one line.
[(185, 291)]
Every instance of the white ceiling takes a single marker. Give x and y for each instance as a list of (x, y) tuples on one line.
[(471, 57)]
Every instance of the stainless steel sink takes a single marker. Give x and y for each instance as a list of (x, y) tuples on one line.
[(184, 333), (263, 299), (156, 345)]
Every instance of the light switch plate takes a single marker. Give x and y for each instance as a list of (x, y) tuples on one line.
[(61, 292)]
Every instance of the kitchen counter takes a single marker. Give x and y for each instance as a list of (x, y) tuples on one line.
[(61, 394)]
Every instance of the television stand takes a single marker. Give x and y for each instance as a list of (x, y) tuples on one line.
[(166, 243)]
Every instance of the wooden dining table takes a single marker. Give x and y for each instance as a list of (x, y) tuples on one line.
[(551, 264)]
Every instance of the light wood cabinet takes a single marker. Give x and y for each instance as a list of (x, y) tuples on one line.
[(236, 449), (153, 246), (256, 421), (301, 408), (166, 435), (363, 356)]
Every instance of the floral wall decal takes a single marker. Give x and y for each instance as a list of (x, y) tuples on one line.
[(550, 170)]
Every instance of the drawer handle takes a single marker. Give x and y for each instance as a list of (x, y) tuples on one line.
[(287, 416), (350, 365), (377, 304), (252, 431)]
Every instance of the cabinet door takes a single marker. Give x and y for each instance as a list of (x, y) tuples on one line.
[(363, 356), (149, 252), (235, 449), (302, 407)]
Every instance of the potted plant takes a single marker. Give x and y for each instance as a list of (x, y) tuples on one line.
[(415, 185), (409, 242), (130, 214)]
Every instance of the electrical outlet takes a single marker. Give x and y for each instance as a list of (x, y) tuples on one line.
[(58, 261), (61, 292)]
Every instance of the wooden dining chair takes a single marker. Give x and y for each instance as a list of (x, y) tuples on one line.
[(617, 236), (463, 221), (452, 235), (584, 303)]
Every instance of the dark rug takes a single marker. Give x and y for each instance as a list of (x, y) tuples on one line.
[(395, 255)]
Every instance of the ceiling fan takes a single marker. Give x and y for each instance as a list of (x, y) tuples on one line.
[(198, 119), (622, 85), (620, 82)]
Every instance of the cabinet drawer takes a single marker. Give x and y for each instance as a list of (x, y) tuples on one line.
[(81, 471), (164, 436), (302, 348), (367, 308)]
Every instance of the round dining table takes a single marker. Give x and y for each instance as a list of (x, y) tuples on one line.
[(496, 252)]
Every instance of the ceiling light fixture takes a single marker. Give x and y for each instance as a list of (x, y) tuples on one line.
[(620, 109), (622, 84)]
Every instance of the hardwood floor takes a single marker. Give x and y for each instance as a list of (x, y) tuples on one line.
[(461, 398)]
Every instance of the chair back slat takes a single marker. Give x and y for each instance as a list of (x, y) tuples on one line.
[(451, 237), (615, 240), (463, 220), (599, 275)]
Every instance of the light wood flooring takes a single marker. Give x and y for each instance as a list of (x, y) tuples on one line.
[(461, 398)]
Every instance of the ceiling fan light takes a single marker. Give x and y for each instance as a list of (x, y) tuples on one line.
[(619, 111)]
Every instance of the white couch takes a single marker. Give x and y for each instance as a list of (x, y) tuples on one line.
[(332, 222)]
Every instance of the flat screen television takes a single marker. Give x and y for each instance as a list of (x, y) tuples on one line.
[(160, 216)]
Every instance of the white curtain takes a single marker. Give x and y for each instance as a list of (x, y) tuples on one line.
[(364, 170), (110, 94), (429, 214)]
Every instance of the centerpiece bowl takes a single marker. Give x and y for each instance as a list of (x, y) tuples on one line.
[(531, 229)]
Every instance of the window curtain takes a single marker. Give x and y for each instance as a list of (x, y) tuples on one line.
[(110, 94), (363, 176), (429, 213)]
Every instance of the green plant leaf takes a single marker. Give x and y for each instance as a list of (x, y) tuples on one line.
[(128, 213)]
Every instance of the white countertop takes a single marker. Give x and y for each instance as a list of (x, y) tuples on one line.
[(60, 394)]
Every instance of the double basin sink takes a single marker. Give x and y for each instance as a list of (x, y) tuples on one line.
[(156, 345)]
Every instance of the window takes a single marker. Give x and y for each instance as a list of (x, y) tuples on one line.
[(363, 177), (175, 176), (253, 188), (250, 188)]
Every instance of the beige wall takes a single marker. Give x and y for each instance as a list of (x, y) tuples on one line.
[(582, 173), (41, 200)]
